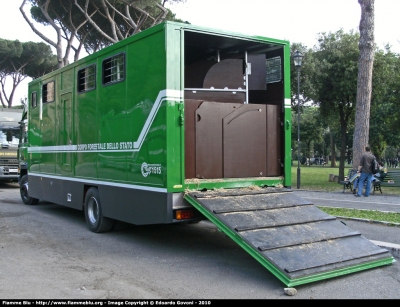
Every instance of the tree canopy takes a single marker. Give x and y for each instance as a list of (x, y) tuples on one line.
[(385, 102), (311, 130), (20, 60), (332, 74), (91, 24)]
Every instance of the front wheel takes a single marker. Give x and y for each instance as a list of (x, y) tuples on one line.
[(94, 213), (23, 190)]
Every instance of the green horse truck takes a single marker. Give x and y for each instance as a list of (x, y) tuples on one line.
[(181, 123)]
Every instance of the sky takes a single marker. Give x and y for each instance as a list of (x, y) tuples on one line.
[(293, 20)]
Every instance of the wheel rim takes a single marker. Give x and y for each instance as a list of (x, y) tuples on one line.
[(93, 210), (24, 190)]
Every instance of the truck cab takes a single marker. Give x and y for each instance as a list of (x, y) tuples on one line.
[(9, 140)]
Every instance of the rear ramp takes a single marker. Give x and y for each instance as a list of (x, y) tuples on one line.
[(292, 238)]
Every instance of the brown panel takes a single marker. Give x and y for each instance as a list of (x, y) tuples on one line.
[(216, 96), (258, 96), (209, 162), (258, 76), (227, 73), (244, 142), (273, 140), (275, 91), (190, 137), (195, 73)]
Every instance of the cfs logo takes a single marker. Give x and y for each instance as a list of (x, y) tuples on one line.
[(148, 169)]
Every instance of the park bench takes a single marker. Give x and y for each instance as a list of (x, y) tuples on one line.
[(390, 179), (352, 176), (349, 180)]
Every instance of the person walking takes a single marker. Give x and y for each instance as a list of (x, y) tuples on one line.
[(366, 173)]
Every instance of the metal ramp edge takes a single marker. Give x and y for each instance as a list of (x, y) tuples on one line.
[(297, 242)]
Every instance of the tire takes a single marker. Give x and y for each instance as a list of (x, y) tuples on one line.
[(94, 213), (23, 190)]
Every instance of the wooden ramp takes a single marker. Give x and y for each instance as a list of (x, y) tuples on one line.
[(291, 237)]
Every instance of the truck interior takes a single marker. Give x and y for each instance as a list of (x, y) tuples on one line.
[(234, 103)]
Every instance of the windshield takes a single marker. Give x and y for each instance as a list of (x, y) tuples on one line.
[(9, 127), (14, 132)]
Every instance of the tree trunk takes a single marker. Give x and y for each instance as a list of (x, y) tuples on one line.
[(364, 82), (342, 158), (308, 143), (333, 153)]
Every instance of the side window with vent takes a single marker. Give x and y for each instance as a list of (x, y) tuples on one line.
[(87, 79), (33, 100), (48, 92), (114, 69)]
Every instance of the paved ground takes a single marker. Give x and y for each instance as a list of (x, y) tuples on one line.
[(46, 252), (381, 202)]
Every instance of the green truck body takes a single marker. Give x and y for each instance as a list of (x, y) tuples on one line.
[(128, 135), (130, 132)]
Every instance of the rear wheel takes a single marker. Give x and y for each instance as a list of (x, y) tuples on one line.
[(23, 190), (94, 213)]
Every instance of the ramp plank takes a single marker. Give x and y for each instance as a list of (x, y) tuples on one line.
[(276, 237), (247, 220), (249, 202), (317, 257)]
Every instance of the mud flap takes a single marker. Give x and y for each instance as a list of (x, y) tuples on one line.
[(292, 238)]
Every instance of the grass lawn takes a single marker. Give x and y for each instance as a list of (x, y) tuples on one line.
[(372, 215), (316, 178)]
